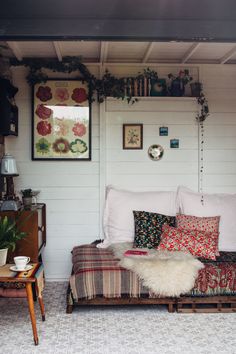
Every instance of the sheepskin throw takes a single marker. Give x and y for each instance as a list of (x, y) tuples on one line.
[(163, 272)]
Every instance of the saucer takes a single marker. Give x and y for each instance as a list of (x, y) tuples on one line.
[(28, 267)]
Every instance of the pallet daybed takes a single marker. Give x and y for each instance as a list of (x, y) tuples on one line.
[(97, 279)]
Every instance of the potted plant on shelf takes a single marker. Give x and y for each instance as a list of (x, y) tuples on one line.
[(9, 236), (196, 88), (27, 195), (178, 83)]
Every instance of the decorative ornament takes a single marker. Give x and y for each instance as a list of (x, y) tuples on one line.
[(155, 152)]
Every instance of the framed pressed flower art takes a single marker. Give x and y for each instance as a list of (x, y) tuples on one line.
[(132, 136), (61, 127)]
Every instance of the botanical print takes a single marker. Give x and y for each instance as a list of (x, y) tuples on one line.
[(61, 120), (132, 136)]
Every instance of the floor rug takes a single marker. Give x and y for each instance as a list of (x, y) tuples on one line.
[(112, 330)]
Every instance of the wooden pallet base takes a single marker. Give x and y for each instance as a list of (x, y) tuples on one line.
[(211, 304), (170, 302)]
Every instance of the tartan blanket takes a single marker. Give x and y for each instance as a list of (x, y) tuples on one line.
[(96, 273)]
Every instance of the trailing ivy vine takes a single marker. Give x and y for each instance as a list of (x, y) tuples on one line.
[(108, 85), (204, 108)]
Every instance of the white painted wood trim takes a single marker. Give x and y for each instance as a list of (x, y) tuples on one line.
[(190, 52), (156, 98), (228, 55), (102, 160), (103, 51), (16, 50), (57, 50), (148, 52)]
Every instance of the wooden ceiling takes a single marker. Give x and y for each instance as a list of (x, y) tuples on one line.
[(124, 52)]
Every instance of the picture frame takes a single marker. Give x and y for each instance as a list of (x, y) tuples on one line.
[(158, 87), (132, 136), (61, 120), (174, 143), (163, 131)]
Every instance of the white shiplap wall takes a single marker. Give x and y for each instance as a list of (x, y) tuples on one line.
[(70, 189), (73, 191), (133, 169)]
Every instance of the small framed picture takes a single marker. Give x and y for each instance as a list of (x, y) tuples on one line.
[(163, 131), (132, 136), (174, 143)]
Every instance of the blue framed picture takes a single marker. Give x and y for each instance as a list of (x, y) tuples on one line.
[(174, 143), (163, 131)]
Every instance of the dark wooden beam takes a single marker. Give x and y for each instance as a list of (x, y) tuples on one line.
[(135, 30), (151, 20)]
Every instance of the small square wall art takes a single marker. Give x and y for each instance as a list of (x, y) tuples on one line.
[(163, 131), (174, 143)]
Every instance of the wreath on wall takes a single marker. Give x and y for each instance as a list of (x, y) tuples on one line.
[(107, 86)]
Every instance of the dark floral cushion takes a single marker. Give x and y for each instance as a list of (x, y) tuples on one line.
[(148, 228)]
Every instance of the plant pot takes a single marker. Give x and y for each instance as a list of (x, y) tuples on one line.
[(3, 256), (195, 89), (177, 88), (27, 201)]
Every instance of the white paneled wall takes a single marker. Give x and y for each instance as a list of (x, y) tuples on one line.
[(133, 169), (70, 189), (73, 191)]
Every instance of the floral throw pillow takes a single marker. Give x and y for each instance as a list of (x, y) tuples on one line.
[(205, 224), (198, 243), (148, 228)]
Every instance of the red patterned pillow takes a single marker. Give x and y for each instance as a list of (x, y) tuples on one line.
[(198, 243), (207, 224)]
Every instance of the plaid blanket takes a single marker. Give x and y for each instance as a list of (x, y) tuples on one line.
[(96, 273)]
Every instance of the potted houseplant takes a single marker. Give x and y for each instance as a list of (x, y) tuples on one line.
[(178, 83), (9, 235), (27, 195), (196, 88)]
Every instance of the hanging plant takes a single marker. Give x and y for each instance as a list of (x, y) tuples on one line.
[(204, 108), (107, 86)]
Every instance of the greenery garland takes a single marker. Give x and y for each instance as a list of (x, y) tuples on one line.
[(108, 85), (204, 108)]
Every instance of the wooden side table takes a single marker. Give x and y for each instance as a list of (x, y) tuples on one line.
[(33, 276)]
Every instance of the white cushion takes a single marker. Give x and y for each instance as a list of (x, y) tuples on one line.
[(223, 205), (118, 222)]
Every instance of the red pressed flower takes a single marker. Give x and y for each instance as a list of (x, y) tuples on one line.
[(79, 95), (44, 93), (61, 146), (79, 129), (61, 94), (44, 128), (43, 112)]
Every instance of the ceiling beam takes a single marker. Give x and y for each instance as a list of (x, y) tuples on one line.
[(14, 46), (190, 52), (103, 51), (148, 52), (57, 50), (228, 55)]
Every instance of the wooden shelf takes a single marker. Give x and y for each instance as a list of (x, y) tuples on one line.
[(159, 98)]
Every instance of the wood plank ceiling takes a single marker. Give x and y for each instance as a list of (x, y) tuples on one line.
[(124, 52)]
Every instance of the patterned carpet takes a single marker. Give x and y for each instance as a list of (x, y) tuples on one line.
[(108, 330)]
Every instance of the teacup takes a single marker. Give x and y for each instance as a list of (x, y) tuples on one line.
[(21, 262)]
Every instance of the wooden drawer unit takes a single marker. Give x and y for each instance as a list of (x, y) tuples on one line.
[(33, 221)]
